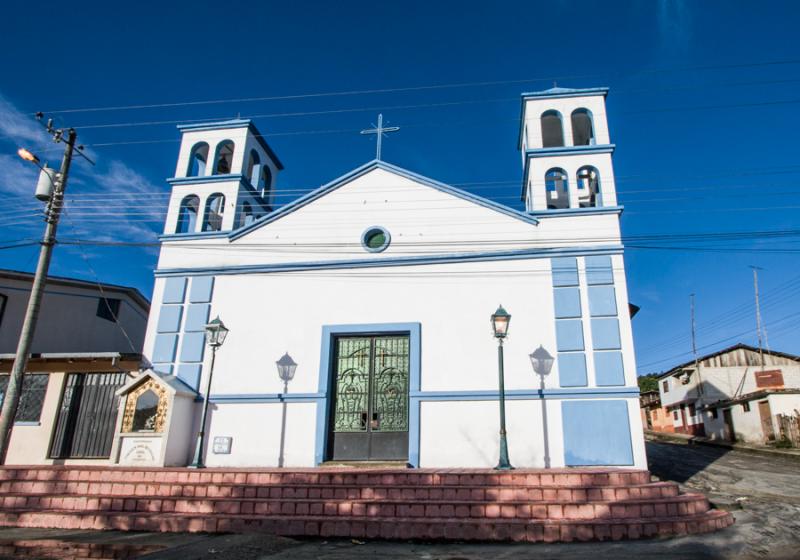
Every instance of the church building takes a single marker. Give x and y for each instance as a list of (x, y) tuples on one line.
[(375, 293)]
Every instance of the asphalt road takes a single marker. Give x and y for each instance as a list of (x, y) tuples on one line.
[(762, 492)]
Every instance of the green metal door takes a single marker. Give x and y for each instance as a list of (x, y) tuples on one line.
[(369, 419)]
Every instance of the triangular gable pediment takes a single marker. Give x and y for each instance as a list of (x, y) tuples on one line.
[(368, 168), (171, 383)]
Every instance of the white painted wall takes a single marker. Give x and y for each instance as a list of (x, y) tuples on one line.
[(272, 313)]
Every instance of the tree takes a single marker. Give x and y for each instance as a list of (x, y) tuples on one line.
[(648, 382)]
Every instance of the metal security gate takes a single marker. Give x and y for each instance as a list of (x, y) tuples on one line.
[(369, 417), (87, 416)]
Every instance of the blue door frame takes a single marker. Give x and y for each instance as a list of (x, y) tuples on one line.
[(413, 330)]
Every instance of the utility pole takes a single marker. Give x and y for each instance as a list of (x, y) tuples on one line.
[(694, 352), (52, 214), (758, 315)]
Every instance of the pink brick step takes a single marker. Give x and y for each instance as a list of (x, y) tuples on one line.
[(530, 505)]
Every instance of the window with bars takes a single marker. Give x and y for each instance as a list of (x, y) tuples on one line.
[(34, 388)]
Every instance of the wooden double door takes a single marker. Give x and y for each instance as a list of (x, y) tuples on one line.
[(369, 413)]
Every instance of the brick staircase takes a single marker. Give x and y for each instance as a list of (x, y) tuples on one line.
[(463, 504)]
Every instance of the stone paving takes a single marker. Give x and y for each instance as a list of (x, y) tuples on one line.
[(762, 492)]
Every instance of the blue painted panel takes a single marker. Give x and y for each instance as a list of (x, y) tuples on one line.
[(608, 369), (565, 271), (196, 317), (202, 288), (190, 374), (165, 369), (602, 301), (572, 370), (164, 348), (599, 270), (567, 302), (174, 290), (569, 334), (192, 347), (169, 318), (605, 334), (596, 432), (414, 331)]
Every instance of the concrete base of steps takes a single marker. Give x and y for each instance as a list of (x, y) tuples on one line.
[(383, 528), (462, 504)]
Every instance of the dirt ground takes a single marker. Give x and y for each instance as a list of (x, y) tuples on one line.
[(762, 492)]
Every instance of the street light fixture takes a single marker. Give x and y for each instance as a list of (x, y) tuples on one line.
[(500, 321), (27, 155), (286, 368), (542, 363), (216, 332)]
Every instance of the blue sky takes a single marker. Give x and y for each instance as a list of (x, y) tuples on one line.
[(703, 110)]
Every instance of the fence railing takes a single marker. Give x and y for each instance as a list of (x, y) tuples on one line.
[(789, 428)]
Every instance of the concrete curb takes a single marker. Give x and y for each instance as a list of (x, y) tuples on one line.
[(692, 440)]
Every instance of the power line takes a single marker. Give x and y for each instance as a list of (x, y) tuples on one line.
[(417, 88)]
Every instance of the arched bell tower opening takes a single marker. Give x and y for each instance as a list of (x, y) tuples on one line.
[(224, 180), (566, 149)]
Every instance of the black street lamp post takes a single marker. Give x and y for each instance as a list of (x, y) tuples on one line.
[(216, 333), (500, 321)]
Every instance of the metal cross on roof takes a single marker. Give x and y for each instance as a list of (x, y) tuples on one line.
[(380, 131)]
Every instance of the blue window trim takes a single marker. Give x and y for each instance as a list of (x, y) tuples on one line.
[(387, 236), (393, 261), (414, 331)]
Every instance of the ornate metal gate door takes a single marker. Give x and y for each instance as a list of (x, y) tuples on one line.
[(369, 416)]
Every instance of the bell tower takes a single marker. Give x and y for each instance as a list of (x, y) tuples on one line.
[(225, 178), (566, 151)]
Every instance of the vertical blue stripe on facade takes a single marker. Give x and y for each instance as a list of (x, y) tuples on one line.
[(196, 317), (567, 303), (414, 330), (605, 334), (190, 374), (565, 271), (602, 301), (193, 345), (599, 270), (596, 432), (169, 319), (572, 369), (202, 289), (164, 348), (608, 369), (569, 335), (174, 290)]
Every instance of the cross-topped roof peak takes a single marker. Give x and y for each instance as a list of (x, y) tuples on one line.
[(379, 131)]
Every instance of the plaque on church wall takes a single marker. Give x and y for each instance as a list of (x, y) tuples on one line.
[(222, 445), (140, 451)]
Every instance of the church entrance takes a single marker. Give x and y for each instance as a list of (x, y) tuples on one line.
[(369, 416)]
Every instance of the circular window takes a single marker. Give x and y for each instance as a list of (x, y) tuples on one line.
[(375, 239)]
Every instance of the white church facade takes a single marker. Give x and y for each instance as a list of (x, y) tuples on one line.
[(380, 286)]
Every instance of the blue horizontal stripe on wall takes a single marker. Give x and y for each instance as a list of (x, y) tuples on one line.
[(485, 395), (589, 211), (392, 261)]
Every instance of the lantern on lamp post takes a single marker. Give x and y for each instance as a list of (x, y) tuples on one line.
[(500, 321), (216, 332)]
